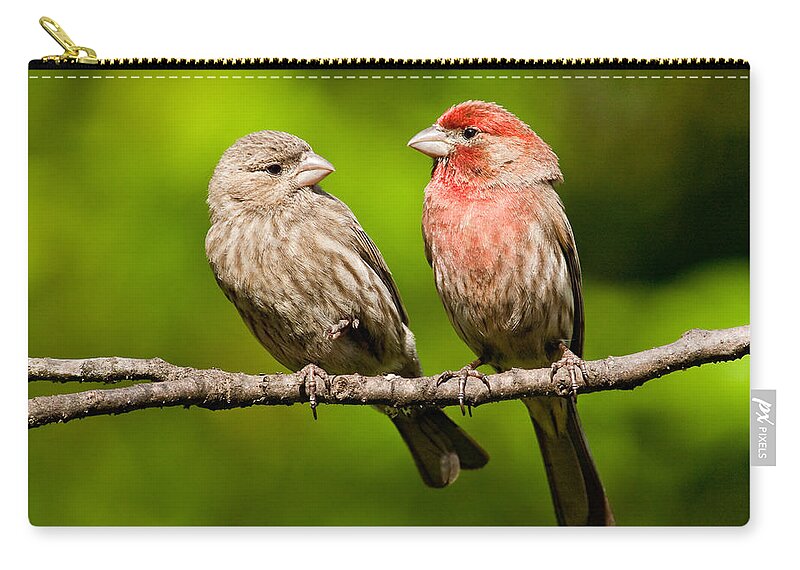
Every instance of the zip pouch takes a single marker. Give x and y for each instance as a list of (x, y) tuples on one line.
[(311, 292)]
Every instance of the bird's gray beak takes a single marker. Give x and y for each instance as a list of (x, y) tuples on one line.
[(311, 170), (432, 141)]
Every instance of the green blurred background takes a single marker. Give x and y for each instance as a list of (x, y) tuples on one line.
[(657, 191)]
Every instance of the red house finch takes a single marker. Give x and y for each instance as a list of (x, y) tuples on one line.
[(313, 288), (506, 268)]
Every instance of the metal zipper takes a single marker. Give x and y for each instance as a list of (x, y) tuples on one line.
[(72, 53), (78, 57)]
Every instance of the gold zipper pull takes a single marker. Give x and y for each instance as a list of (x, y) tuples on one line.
[(72, 52)]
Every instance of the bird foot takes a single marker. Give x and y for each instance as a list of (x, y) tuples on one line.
[(462, 375), (572, 363), (309, 374), (336, 330)]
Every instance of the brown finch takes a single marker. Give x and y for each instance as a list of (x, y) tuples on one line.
[(313, 288), (506, 268)]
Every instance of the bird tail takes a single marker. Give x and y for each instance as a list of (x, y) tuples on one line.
[(439, 447), (575, 485)]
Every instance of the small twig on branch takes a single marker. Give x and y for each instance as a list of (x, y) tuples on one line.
[(217, 389)]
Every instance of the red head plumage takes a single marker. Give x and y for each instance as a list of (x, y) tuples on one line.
[(501, 150), (487, 117)]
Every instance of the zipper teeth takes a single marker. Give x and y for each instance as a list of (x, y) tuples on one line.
[(377, 63)]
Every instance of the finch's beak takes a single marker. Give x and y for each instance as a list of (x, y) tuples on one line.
[(311, 170), (432, 141)]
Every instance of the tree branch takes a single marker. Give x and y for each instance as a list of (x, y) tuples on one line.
[(216, 389)]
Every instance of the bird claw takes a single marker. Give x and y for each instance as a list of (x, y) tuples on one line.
[(462, 375), (309, 374), (336, 330), (571, 362)]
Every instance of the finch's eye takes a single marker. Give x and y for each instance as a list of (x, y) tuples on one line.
[(274, 169), (470, 132)]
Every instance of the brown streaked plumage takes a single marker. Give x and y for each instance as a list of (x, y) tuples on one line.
[(506, 268), (313, 287)]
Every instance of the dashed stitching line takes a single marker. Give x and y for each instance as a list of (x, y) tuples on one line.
[(523, 77)]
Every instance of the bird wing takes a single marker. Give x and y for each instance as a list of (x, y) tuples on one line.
[(372, 256), (365, 247), (566, 240)]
